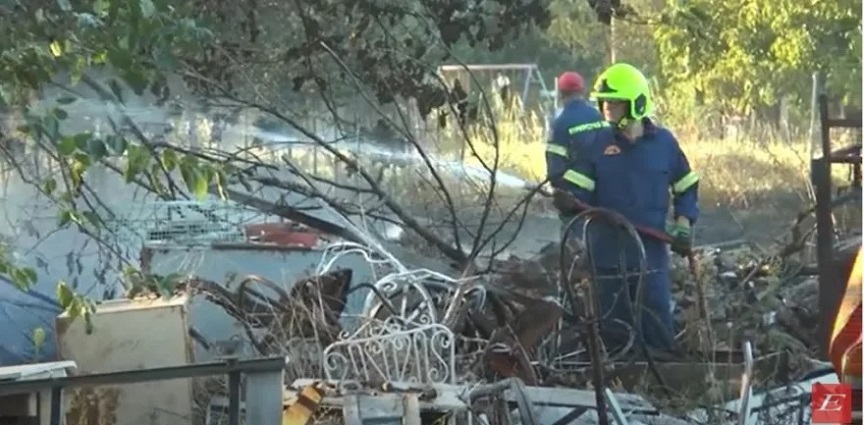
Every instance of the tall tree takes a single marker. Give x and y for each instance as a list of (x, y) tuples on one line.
[(742, 56)]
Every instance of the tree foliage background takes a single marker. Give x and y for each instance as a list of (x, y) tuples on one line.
[(289, 59)]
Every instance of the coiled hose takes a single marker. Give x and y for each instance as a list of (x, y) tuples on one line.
[(617, 221)]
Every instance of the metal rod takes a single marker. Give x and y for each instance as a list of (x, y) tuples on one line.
[(56, 399), (234, 398), (814, 115), (271, 364), (502, 67), (820, 170)]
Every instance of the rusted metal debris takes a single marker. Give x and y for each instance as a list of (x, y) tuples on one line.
[(506, 325), (511, 348), (311, 309)]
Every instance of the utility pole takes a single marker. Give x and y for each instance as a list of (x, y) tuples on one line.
[(611, 37)]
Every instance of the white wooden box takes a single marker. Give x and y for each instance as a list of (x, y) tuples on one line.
[(130, 335)]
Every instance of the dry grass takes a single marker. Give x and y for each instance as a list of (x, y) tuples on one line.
[(736, 173), (747, 180)]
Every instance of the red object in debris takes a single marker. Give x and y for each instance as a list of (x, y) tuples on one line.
[(282, 234)]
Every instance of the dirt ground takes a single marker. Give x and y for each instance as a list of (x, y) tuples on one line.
[(763, 225)]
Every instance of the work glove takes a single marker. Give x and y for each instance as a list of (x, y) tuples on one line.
[(682, 239), (564, 202)]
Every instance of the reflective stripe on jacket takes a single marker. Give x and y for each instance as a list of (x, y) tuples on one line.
[(574, 127), (637, 179)]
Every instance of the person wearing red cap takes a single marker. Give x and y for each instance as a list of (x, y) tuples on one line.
[(574, 126)]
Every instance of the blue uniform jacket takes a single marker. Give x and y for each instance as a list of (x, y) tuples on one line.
[(637, 180), (573, 128)]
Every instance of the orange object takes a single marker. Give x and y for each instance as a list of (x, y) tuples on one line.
[(845, 345), (282, 234)]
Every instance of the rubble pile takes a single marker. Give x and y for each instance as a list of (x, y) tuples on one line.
[(749, 299), (433, 330)]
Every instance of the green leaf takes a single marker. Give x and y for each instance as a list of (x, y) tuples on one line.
[(83, 159), (56, 48), (169, 159), (189, 173), (60, 114), (201, 184), (96, 149), (136, 80), (51, 127), (80, 163), (82, 141), (31, 274), (154, 181), (49, 186), (117, 143), (148, 9), (66, 100), (38, 337), (77, 70), (65, 5), (21, 278), (64, 219), (137, 159), (66, 146), (65, 296)]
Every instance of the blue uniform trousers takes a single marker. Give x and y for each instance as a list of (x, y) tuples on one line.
[(657, 323)]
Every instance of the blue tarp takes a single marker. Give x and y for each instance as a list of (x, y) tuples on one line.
[(20, 314)]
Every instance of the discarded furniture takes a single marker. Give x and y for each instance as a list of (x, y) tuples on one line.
[(129, 335), (221, 243), (390, 351), (33, 407)]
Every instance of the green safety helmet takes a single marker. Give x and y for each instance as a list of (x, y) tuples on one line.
[(623, 82)]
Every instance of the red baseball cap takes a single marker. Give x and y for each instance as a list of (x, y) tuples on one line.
[(571, 82)]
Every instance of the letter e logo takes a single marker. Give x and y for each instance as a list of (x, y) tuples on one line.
[(831, 404)]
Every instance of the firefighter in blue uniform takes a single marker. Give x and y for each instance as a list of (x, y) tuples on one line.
[(632, 169), (574, 126)]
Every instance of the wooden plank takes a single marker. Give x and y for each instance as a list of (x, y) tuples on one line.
[(299, 410)]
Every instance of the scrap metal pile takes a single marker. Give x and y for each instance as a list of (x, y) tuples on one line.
[(423, 328)]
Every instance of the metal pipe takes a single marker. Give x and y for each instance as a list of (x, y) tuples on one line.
[(234, 398), (272, 364), (56, 405), (486, 67)]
